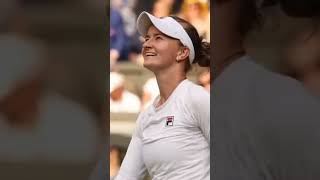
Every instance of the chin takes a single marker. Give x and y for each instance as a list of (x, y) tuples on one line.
[(149, 66), (154, 67)]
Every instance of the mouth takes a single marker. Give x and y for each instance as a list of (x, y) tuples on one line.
[(149, 54)]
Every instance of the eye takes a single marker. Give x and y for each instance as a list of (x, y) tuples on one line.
[(158, 37)]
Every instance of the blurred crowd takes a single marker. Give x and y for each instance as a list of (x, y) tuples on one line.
[(125, 42)]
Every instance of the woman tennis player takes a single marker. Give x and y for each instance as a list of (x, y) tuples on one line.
[(172, 137)]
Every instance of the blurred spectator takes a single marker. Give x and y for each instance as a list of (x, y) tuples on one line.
[(149, 92), (121, 100), (118, 38), (162, 8), (129, 16), (257, 111), (115, 160), (302, 59), (197, 12), (204, 80), (126, 9)]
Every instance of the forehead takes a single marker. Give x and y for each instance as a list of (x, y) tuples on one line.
[(153, 30)]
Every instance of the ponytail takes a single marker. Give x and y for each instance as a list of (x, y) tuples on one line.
[(201, 48), (203, 56)]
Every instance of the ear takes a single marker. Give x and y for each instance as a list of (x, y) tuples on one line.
[(183, 54)]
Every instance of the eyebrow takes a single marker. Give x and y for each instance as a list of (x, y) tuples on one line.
[(155, 34)]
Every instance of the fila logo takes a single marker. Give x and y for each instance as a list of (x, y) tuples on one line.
[(169, 120)]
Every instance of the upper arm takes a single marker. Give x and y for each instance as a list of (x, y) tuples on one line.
[(201, 112)]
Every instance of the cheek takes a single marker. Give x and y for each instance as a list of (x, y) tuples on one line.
[(168, 57), (167, 52)]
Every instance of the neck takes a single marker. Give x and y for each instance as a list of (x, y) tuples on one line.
[(229, 58), (228, 48), (167, 82), (228, 42)]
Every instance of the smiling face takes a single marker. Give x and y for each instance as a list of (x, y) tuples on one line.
[(159, 51)]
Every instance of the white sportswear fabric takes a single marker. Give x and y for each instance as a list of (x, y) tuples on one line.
[(172, 142)]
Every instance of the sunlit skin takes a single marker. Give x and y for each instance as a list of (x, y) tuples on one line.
[(166, 57), (159, 51)]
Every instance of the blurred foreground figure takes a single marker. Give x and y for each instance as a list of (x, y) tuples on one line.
[(302, 59), (265, 125), (42, 133), (37, 124)]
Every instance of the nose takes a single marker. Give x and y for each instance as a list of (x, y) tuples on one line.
[(146, 44)]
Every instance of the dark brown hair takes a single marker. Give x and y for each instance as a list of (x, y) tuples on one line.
[(302, 9), (249, 15), (201, 48)]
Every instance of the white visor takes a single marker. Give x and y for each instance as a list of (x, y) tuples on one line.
[(167, 26)]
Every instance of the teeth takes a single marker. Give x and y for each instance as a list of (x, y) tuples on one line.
[(150, 54)]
